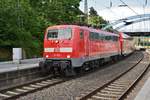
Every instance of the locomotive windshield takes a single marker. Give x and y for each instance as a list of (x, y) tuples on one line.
[(59, 34)]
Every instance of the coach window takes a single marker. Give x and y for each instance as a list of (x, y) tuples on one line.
[(96, 36), (81, 34)]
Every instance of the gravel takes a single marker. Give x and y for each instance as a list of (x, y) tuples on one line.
[(74, 88)]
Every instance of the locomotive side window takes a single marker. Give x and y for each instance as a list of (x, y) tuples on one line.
[(94, 36), (91, 36), (59, 34), (102, 37), (107, 37), (81, 34), (115, 38), (97, 36), (111, 38)]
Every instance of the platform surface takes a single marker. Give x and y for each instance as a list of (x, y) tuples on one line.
[(144, 93)]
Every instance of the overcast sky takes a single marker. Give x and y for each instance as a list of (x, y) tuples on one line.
[(114, 12), (102, 4)]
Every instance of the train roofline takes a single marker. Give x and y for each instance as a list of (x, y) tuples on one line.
[(84, 27)]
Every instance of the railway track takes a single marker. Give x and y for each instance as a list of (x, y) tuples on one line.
[(33, 86), (36, 85), (30, 87), (116, 89)]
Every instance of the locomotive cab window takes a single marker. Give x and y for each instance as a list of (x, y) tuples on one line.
[(59, 34)]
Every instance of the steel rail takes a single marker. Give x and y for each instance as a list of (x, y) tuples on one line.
[(14, 91), (30, 87), (124, 95), (89, 95)]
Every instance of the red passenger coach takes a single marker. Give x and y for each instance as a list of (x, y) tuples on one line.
[(69, 49), (127, 44)]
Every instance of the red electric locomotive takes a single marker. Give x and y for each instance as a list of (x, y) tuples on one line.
[(71, 48)]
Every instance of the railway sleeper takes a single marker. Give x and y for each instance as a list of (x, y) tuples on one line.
[(107, 95), (35, 86), (111, 92), (12, 93), (115, 87), (2, 95), (122, 82), (41, 84), (120, 85), (45, 82), (116, 90), (21, 90), (28, 88), (95, 97)]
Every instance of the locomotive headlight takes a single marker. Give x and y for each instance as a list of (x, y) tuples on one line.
[(56, 41), (68, 56), (47, 56)]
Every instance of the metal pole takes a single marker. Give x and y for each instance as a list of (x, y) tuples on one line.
[(86, 10), (18, 8)]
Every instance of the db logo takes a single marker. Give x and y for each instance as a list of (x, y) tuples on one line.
[(56, 50)]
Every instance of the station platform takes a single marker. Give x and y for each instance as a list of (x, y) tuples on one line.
[(24, 64), (144, 93)]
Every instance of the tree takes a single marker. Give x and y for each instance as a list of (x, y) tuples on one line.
[(22, 22), (19, 24), (93, 12), (58, 11), (95, 20)]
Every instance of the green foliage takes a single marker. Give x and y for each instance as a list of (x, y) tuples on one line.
[(58, 11), (19, 24), (93, 12), (95, 19), (22, 22)]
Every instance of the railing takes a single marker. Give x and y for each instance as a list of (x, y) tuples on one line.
[(24, 61)]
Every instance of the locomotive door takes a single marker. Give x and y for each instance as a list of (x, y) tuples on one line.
[(86, 42), (81, 43)]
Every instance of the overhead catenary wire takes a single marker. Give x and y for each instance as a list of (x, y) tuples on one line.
[(129, 7), (105, 7), (111, 10)]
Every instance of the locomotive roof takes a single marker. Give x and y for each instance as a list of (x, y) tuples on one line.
[(84, 27), (125, 35)]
